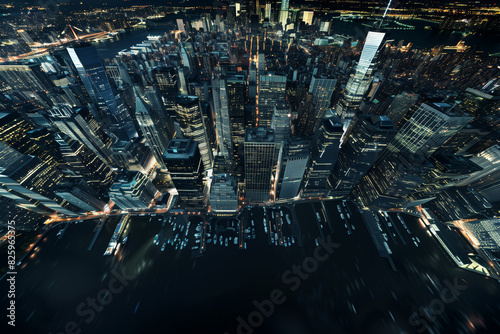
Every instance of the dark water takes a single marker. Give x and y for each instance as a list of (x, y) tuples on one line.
[(424, 39), (421, 39), (352, 291)]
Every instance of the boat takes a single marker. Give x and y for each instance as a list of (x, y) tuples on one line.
[(226, 243), (124, 241), (163, 247), (235, 240)]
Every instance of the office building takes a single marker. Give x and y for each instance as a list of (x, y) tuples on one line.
[(321, 89), (30, 183), (400, 107), (93, 75), (184, 162), (294, 164), (133, 191), (83, 162), (369, 137), (360, 81), (189, 115), (325, 148), (222, 120), (156, 138), (261, 153), (271, 92), (223, 196), (430, 127)]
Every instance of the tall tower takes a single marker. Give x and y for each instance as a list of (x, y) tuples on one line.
[(30, 182), (359, 82), (223, 122), (294, 166), (93, 75), (325, 148), (156, 139), (165, 79), (185, 165), (272, 89), (188, 111), (236, 90), (430, 127), (261, 154), (321, 89), (284, 12), (369, 137)]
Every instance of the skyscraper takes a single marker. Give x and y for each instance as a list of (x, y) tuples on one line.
[(281, 122), (165, 78), (369, 137), (156, 139), (325, 148), (80, 125), (25, 77), (188, 111), (400, 106), (430, 127), (392, 179), (134, 190), (272, 89), (30, 182), (321, 89), (360, 80), (236, 91), (261, 154), (222, 120), (223, 195), (295, 160), (183, 160), (284, 12), (85, 163), (93, 75)]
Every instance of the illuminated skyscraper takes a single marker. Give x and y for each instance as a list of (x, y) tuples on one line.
[(222, 120), (321, 89), (223, 195), (284, 12), (93, 75), (165, 79), (156, 138), (359, 82), (236, 91), (30, 182), (261, 153), (188, 111), (185, 165), (79, 124), (133, 190), (271, 92), (85, 163), (428, 128)]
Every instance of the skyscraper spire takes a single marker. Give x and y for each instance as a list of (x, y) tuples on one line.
[(385, 13)]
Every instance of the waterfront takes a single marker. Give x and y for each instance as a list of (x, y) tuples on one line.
[(353, 290), (421, 38)]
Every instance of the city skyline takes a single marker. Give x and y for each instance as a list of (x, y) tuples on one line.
[(217, 145)]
